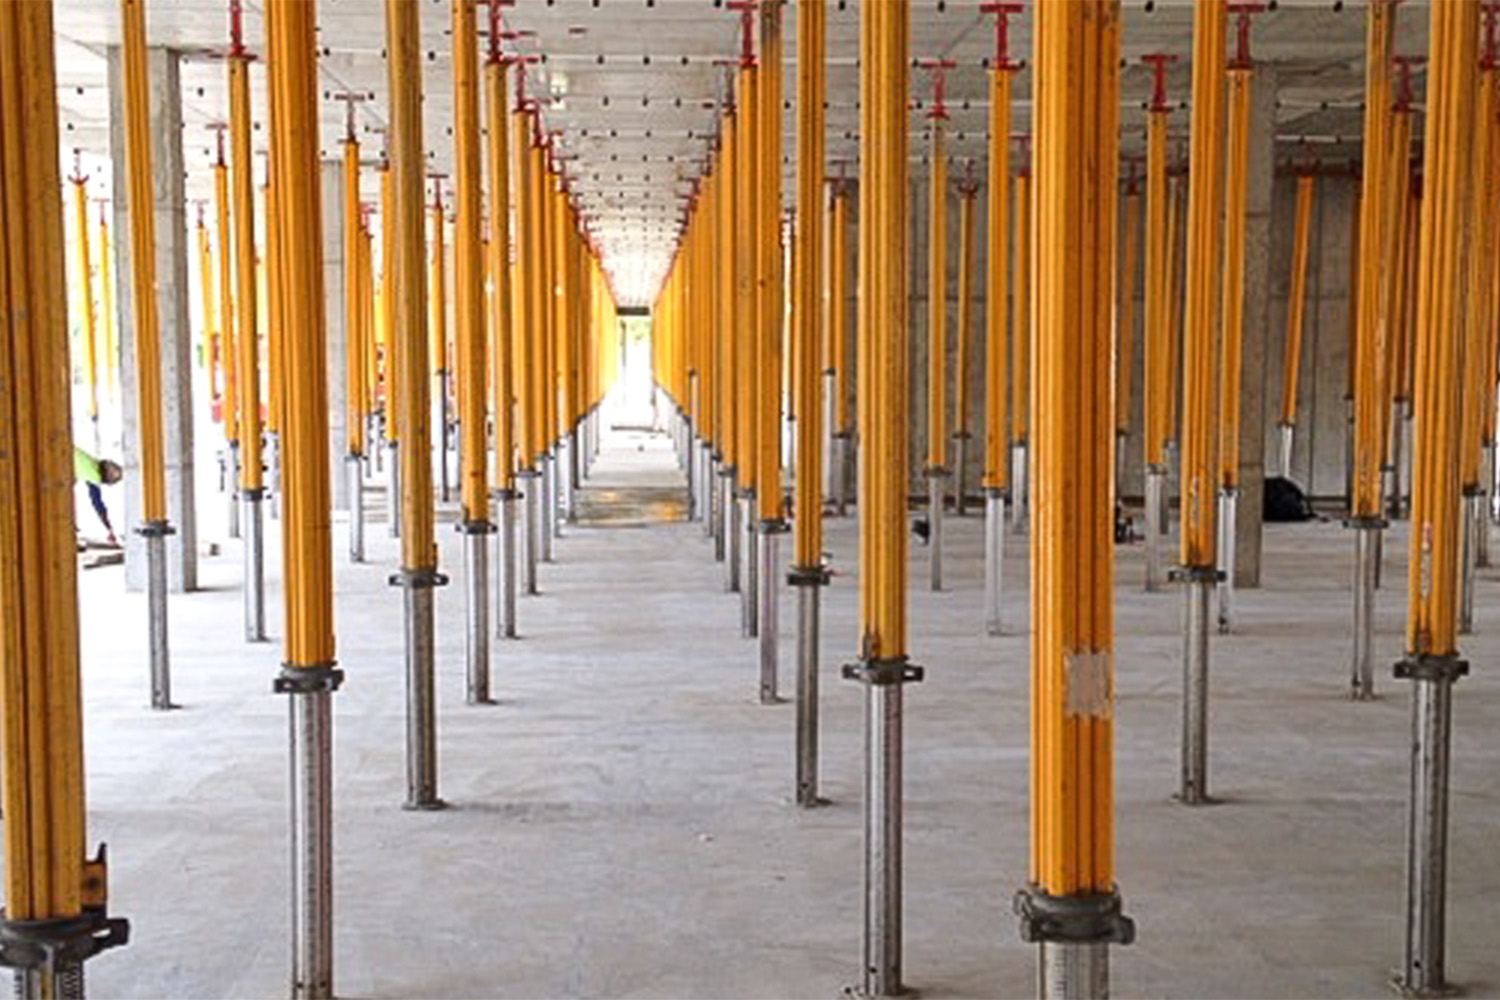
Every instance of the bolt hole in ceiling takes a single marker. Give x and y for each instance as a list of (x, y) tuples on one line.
[(641, 82)]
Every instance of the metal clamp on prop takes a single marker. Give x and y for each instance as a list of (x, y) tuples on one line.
[(505, 494), (774, 526), (884, 672), (417, 579), (307, 680), (809, 576), (53, 945), (1363, 523), (475, 527), (158, 529), (1431, 667), (935, 471), (997, 492), (1197, 574), (1095, 919)]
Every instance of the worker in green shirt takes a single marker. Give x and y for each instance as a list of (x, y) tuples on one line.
[(93, 473)]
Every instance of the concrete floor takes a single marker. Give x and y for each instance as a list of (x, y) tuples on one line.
[(621, 822)]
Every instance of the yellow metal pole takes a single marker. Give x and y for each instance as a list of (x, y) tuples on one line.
[(375, 352), (107, 300), (1398, 294), (139, 191), (541, 331), (747, 197), (309, 674), (276, 316), (937, 470), (525, 318), (502, 302), (1432, 662), (248, 323), (1296, 309), (469, 340), (1478, 373), (568, 313), (770, 307), (210, 321), (1072, 658), (1176, 294), (1158, 293), (227, 317), (1351, 355), (998, 297), (1020, 342), (1446, 172), (536, 335), (366, 329), (1241, 78), (968, 204), (1370, 338), (419, 574), (725, 369), (548, 330), (883, 407), (437, 325), (808, 572), (370, 380), (1478, 321), (356, 404), (937, 283), (1491, 319), (1235, 185), (565, 315), (1125, 316), (557, 302), (768, 267), (745, 292), (1409, 280), (54, 895), (837, 358), (437, 304), (143, 266), (705, 284), (1370, 369), (86, 298), (392, 359), (1199, 429), (574, 306), (524, 299)]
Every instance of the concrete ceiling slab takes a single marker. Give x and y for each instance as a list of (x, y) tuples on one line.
[(635, 87)]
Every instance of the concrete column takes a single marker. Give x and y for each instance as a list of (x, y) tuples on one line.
[(176, 328), (1256, 354), (336, 324)]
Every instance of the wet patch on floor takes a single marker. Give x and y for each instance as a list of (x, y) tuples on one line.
[(630, 506)]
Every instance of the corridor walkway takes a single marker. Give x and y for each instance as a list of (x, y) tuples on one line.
[(620, 822)]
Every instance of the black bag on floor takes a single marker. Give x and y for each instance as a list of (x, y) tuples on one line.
[(1285, 501)]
